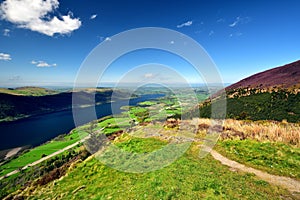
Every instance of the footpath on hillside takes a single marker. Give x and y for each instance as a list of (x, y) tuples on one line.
[(288, 183), (285, 182), (44, 158)]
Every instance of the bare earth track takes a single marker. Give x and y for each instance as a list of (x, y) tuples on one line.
[(285, 182), (44, 158)]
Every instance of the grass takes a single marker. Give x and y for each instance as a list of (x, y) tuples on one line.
[(141, 146), (187, 178), (109, 124), (267, 145), (32, 174), (260, 105), (273, 157), (37, 152), (28, 91), (288, 133)]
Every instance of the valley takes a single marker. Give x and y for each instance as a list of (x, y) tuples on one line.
[(254, 157)]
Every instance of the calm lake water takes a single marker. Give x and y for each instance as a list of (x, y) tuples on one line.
[(39, 129)]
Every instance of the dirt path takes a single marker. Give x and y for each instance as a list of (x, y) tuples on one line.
[(285, 182), (44, 158)]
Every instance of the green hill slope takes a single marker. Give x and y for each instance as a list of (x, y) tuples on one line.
[(269, 95), (28, 91), (273, 105), (187, 178)]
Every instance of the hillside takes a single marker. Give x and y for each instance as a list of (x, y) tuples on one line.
[(28, 91), (269, 95), (287, 76), (14, 106), (74, 176), (150, 144)]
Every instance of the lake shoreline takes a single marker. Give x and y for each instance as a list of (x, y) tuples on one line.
[(30, 131), (8, 120)]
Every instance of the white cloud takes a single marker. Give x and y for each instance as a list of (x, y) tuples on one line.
[(107, 39), (240, 20), (6, 32), (43, 64), (93, 16), (34, 15), (188, 23), (172, 42), (148, 75), (237, 20), (211, 33), (5, 56)]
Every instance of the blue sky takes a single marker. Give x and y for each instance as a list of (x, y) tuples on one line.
[(44, 43)]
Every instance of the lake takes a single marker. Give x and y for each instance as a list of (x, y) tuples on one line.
[(36, 130)]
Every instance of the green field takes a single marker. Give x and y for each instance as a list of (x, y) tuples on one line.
[(42, 150)]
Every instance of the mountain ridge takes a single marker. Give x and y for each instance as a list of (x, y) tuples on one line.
[(285, 77)]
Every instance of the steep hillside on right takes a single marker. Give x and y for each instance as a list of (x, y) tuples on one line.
[(287, 76), (270, 95)]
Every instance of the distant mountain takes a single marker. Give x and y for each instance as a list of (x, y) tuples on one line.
[(34, 101), (287, 76), (270, 95), (28, 91)]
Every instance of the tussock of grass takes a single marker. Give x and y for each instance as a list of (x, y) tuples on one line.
[(288, 133)]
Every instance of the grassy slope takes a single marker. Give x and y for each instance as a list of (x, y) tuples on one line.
[(28, 91), (36, 153), (262, 106), (276, 158), (187, 178)]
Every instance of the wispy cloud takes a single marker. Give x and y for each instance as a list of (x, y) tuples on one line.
[(211, 33), (33, 15), (43, 64), (236, 34), (5, 56), (6, 32), (93, 16), (148, 75), (102, 38), (221, 20), (239, 20), (15, 78), (188, 23)]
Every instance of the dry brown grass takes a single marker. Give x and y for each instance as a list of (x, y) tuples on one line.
[(273, 131), (288, 133)]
